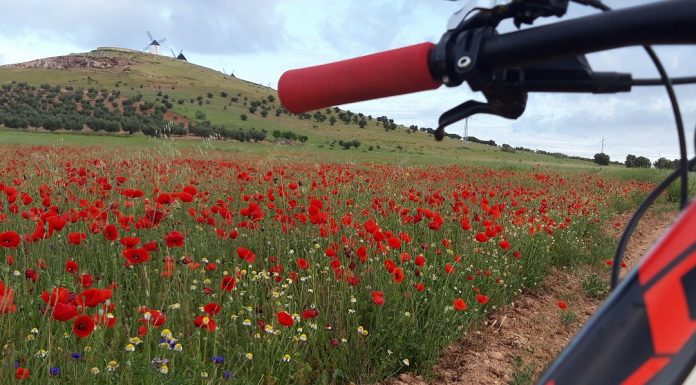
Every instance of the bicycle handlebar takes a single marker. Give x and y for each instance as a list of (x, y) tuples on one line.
[(410, 69), (667, 22), (389, 73)]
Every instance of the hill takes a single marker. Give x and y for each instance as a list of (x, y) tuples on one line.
[(121, 91)]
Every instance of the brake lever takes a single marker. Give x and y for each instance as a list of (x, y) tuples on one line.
[(507, 105)]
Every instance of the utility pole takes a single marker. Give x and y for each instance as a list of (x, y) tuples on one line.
[(466, 131), (602, 145)]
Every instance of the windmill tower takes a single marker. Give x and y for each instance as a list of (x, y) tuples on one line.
[(154, 46), (180, 56)]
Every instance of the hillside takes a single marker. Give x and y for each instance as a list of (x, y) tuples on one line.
[(115, 91)]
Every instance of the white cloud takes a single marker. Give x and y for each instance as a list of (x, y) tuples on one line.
[(260, 39)]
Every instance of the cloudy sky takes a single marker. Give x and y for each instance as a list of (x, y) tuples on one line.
[(259, 39)]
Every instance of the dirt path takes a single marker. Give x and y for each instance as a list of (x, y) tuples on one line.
[(516, 343)]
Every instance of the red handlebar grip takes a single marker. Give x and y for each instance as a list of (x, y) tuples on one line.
[(389, 73)]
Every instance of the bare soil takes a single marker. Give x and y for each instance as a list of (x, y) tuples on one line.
[(75, 61), (519, 341)]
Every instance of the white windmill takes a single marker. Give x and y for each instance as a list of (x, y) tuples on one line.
[(154, 46)]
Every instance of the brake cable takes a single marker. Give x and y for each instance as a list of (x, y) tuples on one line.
[(684, 164), (658, 82)]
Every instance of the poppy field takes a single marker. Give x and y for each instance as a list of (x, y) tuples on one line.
[(127, 266)]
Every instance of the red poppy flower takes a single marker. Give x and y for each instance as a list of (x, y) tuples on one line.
[(362, 254), (92, 297), (150, 246), (174, 239), (389, 265), (562, 304), (31, 274), (63, 311), (394, 242), (130, 242), (83, 326), (482, 299), (185, 197), (504, 244), (57, 295), (71, 266), (157, 318), (309, 313), (481, 237), (449, 269), (135, 256), (246, 254), (420, 286), (6, 299), (86, 280), (22, 374), (205, 322), (212, 308), (228, 283), (459, 304), (398, 275), (110, 232), (378, 297), (9, 239), (164, 199), (76, 238), (285, 319), (419, 260), (302, 264)]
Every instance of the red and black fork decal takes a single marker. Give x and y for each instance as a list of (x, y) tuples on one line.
[(645, 333)]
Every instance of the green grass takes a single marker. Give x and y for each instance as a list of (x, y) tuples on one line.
[(523, 374), (149, 75), (595, 287)]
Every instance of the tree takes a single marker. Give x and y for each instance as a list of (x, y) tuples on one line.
[(257, 136), (664, 163), (630, 161), (332, 120), (200, 115), (642, 162), (243, 117), (601, 159)]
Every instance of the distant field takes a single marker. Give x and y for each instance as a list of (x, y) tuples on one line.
[(192, 88), (449, 151)]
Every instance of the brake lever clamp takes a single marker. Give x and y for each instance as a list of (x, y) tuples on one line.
[(454, 60)]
